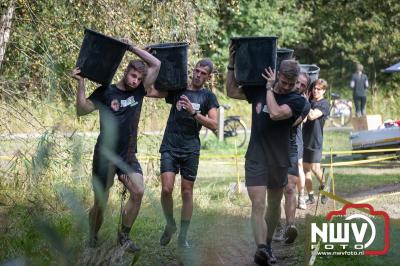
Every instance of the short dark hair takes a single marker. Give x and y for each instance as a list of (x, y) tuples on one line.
[(290, 69), (137, 65), (305, 74), (206, 62)]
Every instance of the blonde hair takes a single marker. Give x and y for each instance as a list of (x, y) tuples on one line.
[(323, 83)]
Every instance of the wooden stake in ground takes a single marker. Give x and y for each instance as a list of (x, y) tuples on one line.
[(5, 29)]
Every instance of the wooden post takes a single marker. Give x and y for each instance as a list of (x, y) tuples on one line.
[(221, 119)]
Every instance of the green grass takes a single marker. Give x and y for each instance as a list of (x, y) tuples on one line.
[(337, 141)]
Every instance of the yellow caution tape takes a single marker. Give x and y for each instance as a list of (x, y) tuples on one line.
[(344, 201), (361, 151), (377, 197), (359, 161)]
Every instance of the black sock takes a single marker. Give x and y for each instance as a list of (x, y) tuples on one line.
[(311, 195), (262, 246), (125, 230), (170, 219), (184, 228), (269, 240)]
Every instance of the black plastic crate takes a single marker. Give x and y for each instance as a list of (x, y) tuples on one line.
[(311, 70), (100, 56), (174, 65), (253, 55)]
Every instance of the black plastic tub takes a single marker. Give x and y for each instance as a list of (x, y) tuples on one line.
[(253, 55), (100, 56), (283, 54), (174, 67), (311, 70)]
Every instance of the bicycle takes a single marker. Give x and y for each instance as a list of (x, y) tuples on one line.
[(340, 112), (235, 130)]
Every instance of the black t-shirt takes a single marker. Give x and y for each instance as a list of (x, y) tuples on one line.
[(182, 131), (359, 84), (296, 136), (269, 139), (313, 132), (119, 116)]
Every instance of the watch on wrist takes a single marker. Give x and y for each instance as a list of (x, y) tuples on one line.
[(194, 114), (230, 68)]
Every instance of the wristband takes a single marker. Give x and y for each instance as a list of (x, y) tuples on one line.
[(195, 113), (230, 68)]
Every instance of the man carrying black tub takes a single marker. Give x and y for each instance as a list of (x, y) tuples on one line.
[(180, 149), (275, 109), (119, 107)]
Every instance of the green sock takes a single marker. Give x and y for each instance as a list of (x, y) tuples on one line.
[(184, 228)]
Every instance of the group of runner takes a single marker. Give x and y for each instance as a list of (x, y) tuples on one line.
[(273, 156)]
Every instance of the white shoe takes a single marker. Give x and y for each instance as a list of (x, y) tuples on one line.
[(301, 203), (279, 234)]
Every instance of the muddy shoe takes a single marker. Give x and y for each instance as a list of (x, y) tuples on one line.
[(92, 242), (324, 198), (291, 234), (311, 200), (262, 257), (169, 231), (127, 243), (278, 234), (272, 257), (183, 243), (302, 203)]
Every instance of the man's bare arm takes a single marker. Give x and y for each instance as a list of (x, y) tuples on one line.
[(232, 88), (210, 121), (84, 106), (314, 114), (276, 111), (152, 63)]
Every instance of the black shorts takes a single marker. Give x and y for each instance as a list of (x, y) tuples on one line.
[(185, 163), (260, 174), (294, 166), (312, 156), (104, 170)]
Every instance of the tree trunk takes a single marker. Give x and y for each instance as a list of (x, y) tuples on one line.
[(5, 29)]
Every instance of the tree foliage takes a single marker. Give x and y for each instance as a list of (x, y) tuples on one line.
[(219, 20), (46, 35), (344, 32)]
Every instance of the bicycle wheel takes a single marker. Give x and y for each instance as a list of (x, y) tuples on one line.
[(340, 114), (235, 132)]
